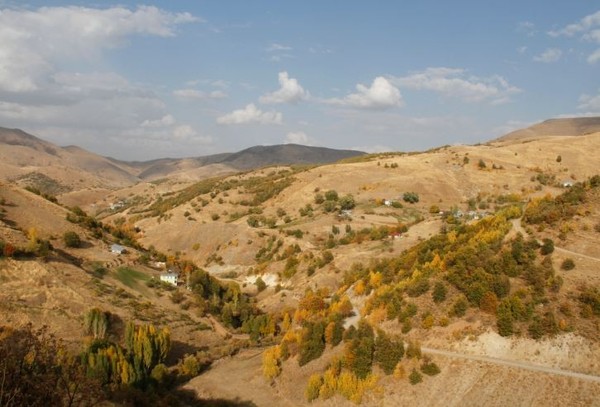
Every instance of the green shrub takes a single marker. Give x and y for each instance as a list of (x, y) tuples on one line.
[(567, 264), (72, 239), (260, 284), (410, 197), (415, 377)]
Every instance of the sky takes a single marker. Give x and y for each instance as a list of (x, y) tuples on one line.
[(139, 81)]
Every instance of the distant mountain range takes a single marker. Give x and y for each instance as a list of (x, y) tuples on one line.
[(22, 154)]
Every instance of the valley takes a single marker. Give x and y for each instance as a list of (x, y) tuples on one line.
[(300, 277)]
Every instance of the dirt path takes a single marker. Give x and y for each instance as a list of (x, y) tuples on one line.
[(504, 362), (518, 227), (585, 256), (224, 332), (512, 363)]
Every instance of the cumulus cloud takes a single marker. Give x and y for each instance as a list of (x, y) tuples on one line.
[(251, 114), (455, 82), (549, 55), (289, 92), (195, 94), (589, 29), (590, 102), (380, 95), (33, 41), (299, 137), (582, 25), (39, 93)]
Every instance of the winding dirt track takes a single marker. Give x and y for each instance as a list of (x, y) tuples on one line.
[(512, 363)]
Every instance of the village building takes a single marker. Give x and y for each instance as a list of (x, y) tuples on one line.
[(170, 277)]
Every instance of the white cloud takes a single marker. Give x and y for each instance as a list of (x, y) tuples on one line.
[(381, 95), (454, 82), (166, 120), (521, 50), (299, 137), (594, 56), (290, 91), (274, 47), (590, 102), (527, 27), (195, 94), (549, 55), (582, 25), (589, 28), (87, 108), (32, 42), (251, 114), (186, 133)]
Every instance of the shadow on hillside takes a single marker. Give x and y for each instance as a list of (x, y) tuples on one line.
[(190, 399), (64, 257), (180, 349)]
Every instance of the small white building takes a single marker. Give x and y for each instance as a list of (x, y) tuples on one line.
[(567, 184), (170, 278), (117, 249)]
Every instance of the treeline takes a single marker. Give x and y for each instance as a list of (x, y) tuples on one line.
[(479, 266), (318, 323), (551, 210)]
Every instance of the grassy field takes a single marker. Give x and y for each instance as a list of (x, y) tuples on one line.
[(130, 277)]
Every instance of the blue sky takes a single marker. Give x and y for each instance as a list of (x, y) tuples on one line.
[(189, 78)]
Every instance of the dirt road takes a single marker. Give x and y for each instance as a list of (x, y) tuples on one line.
[(512, 363)]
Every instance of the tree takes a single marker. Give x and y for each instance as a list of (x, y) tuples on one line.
[(489, 302), (388, 351), (260, 284), (439, 292), (415, 377), (568, 264), (504, 318), (37, 370), (147, 347), (547, 247), (72, 239), (270, 365), (429, 368), (331, 195), (96, 323), (314, 385), (312, 343), (410, 197), (359, 351), (481, 164), (347, 202)]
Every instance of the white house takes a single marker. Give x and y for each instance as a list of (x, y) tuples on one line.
[(567, 184), (170, 278), (117, 249)]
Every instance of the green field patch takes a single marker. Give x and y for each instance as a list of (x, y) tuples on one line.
[(130, 277)]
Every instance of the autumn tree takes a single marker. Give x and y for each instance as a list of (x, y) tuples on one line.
[(314, 385), (38, 371), (388, 351), (312, 342), (271, 362), (96, 323)]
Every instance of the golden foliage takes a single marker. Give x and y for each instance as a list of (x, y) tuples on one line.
[(271, 363)]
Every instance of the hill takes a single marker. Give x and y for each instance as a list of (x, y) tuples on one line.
[(554, 127), (58, 170), (483, 257)]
